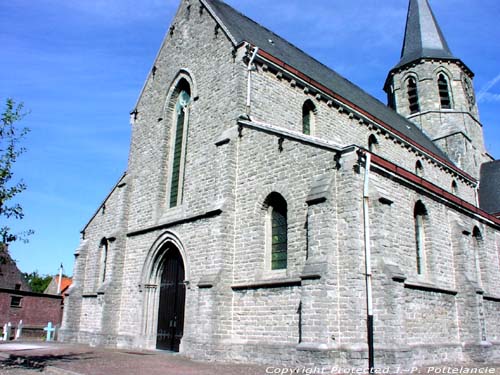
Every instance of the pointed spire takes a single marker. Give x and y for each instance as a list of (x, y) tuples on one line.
[(423, 37)]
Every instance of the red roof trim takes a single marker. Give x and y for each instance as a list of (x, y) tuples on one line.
[(319, 86), (407, 175)]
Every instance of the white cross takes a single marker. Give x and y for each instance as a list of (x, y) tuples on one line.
[(6, 331), (49, 330), (19, 330)]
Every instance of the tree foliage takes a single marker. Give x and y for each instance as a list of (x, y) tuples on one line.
[(37, 282), (10, 149)]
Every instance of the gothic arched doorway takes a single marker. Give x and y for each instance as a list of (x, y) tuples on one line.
[(172, 300)]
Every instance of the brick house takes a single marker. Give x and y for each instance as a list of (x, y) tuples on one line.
[(53, 287), (274, 212), (18, 302)]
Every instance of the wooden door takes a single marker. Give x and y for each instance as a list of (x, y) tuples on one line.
[(172, 298)]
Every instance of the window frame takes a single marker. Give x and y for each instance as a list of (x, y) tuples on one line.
[(413, 97), (420, 216), (309, 112), (182, 85), (275, 203), (419, 168), (477, 247), (444, 91), (373, 143), (17, 298), (103, 261)]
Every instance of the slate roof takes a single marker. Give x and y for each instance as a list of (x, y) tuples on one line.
[(423, 36), (241, 28), (489, 188), (10, 275)]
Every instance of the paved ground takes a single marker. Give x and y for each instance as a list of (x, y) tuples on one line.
[(62, 359), (32, 358)]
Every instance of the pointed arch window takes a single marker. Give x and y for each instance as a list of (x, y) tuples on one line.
[(454, 187), (372, 143), (180, 120), (308, 114), (413, 95), (444, 92), (277, 231), (419, 168), (420, 215), (103, 260), (478, 244)]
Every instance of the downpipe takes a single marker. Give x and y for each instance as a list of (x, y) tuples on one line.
[(368, 262), (250, 68)]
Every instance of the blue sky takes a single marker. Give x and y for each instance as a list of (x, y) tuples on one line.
[(79, 65)]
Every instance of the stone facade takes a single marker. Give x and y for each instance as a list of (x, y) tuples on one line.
[(235, 156)]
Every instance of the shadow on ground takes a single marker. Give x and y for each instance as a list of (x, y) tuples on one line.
[(39, 362)]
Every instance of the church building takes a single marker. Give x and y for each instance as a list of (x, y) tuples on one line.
[(274, 212)]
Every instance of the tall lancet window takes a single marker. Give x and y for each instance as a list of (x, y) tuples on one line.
[(413, 95), (478, 247), (103, 260), (181, 117), (308, 112), (444, 92), (277, 231), (420, 215)]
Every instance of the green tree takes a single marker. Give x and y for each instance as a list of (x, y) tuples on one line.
[(11, 136), (37, 282)]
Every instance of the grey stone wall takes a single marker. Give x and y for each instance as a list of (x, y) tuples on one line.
[(206, 59)]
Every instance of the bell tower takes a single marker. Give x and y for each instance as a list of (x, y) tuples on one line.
[(434, 89)]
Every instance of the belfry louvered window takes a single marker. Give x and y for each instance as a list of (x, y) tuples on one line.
[(413, 96), (180, 121), (444, 92)]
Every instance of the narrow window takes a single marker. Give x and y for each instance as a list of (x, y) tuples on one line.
[(180, 123), (420, 213), (391, 100), (444, 92), (372, 143), (419, 168), (308, 111), (15, 301), (278, 231), (454, 187), (478, 243), (103, 254), (413, 96)]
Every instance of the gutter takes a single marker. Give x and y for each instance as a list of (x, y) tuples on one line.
[(434, 189), (266, 56)]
